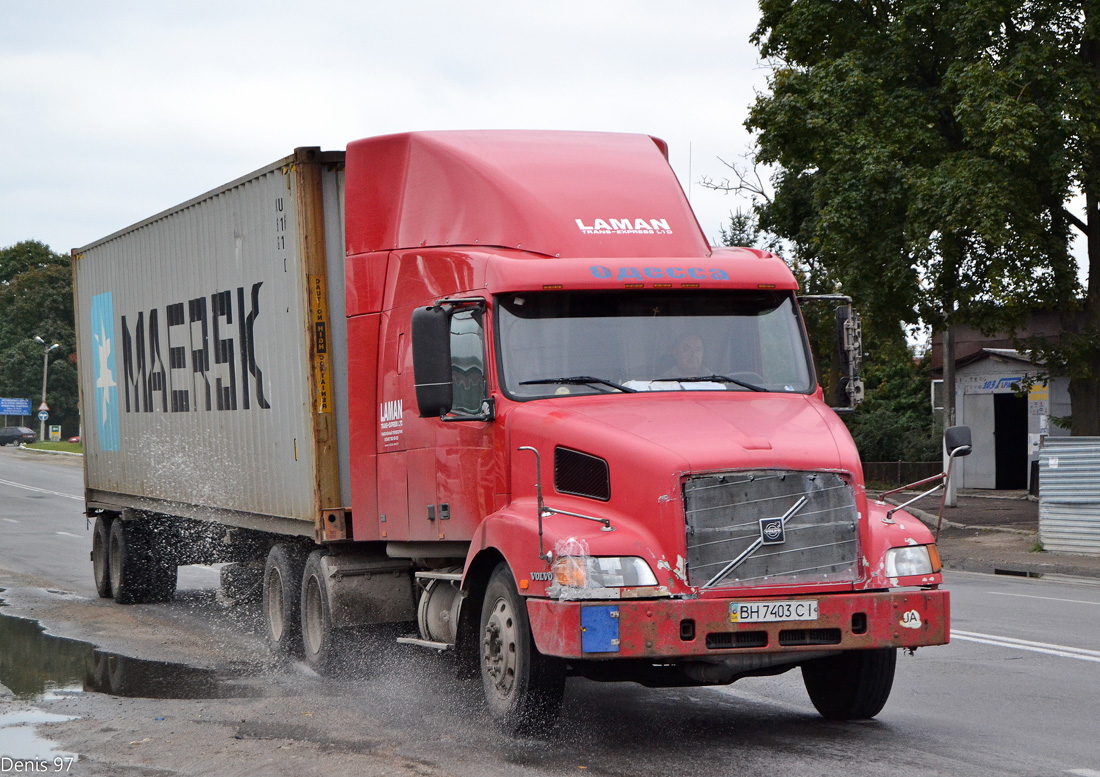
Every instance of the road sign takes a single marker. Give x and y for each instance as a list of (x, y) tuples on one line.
[(9, 406), (43, 415), (44, 406), (55, 434)]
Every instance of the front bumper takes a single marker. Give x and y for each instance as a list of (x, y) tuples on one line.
[(668, 629)]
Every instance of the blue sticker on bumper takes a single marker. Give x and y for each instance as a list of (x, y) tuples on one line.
[(600, 628)]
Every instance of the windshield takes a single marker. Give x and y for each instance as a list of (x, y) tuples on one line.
[(555, 343)]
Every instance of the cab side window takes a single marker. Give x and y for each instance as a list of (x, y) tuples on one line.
[(468, 362)]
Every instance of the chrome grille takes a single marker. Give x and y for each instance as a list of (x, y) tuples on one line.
[(730, 523)]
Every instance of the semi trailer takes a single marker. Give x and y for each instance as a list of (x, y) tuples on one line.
[(497, 386)]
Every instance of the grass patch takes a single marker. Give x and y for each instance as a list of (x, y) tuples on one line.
[(1038, 547), (67, 447)]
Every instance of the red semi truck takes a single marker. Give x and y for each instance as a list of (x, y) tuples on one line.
[(497, 384)]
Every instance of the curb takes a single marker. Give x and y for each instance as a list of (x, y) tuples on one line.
[(54, 453)]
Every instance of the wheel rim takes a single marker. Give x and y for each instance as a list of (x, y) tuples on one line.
[(312, 617), (273, 598), (499, 655)]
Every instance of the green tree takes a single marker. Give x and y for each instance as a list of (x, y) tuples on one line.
[(920, 149), (895, 421), (36, 299)]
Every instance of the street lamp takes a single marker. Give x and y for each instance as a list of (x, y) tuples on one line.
[(45, 365)]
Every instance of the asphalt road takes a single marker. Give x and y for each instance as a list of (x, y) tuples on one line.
[(1017, 692)]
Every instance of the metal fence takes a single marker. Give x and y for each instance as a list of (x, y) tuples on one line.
[(899, 473), (1069, 495)]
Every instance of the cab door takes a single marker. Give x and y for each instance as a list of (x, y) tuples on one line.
[(451, 485)]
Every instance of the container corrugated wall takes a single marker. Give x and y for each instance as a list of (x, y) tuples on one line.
[(1069, 495), (194, 339)]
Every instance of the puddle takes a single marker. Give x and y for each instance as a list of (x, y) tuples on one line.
[(19, 742), (34, 665)]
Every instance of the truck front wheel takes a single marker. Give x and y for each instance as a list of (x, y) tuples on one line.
[(282, 596), (853, 685), (523, 688)]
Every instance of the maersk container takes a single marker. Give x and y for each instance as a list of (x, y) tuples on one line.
[(218, 340)]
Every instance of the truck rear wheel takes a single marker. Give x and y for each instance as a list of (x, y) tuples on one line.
[(853, 685), (325, 646), (101, 541), (523, 688), (282, 598), (137, 570)]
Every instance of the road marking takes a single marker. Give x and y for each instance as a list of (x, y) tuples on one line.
[(10, 520), (1083, 772), (1049, 599), (40, 490), (1023, 644), (67, 534)]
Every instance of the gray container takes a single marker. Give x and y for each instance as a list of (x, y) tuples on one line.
[(1069, 495), (212, 342)]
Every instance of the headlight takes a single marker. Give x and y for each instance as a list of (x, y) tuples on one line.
[(912, 560), (602, 572)]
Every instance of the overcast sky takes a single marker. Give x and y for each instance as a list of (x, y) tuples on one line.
[(112, 111)]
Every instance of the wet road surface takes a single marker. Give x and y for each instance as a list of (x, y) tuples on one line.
[(1017, 692)]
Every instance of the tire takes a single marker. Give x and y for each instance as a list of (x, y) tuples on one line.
[(101, 540), (853, 685), (136, 568), (326, 649), (282, 599), (523, 688)]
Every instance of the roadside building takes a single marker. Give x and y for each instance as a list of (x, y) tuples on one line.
[(1009, 403)]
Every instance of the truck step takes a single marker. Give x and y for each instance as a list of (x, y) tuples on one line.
[(453, 576), (426, 643)]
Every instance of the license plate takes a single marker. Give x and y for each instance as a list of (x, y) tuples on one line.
[(769, 612)]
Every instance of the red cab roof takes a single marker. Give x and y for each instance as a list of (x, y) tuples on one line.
[(568, 194)]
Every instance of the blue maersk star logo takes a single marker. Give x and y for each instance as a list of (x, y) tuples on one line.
[(106, 388), (105, 371)]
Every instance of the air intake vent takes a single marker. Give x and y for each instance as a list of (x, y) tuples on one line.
[(794, 637), (581, 474), (726, 640)]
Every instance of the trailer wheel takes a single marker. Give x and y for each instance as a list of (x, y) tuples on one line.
[(137, 570), (101, 541), (853, 685), (282, 598), (523, 688)]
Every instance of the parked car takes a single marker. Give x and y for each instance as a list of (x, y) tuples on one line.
[(13, 435), (75, 439)]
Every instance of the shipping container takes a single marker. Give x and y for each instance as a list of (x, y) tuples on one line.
[(217, 335)]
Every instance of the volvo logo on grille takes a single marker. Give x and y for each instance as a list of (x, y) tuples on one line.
[(772, 532)]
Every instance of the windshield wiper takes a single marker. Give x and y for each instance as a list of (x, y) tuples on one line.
[(714, 379), (580, 380)]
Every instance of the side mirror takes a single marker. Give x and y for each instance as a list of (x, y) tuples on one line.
[(431, 347), (957, 441), (849, 333)]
